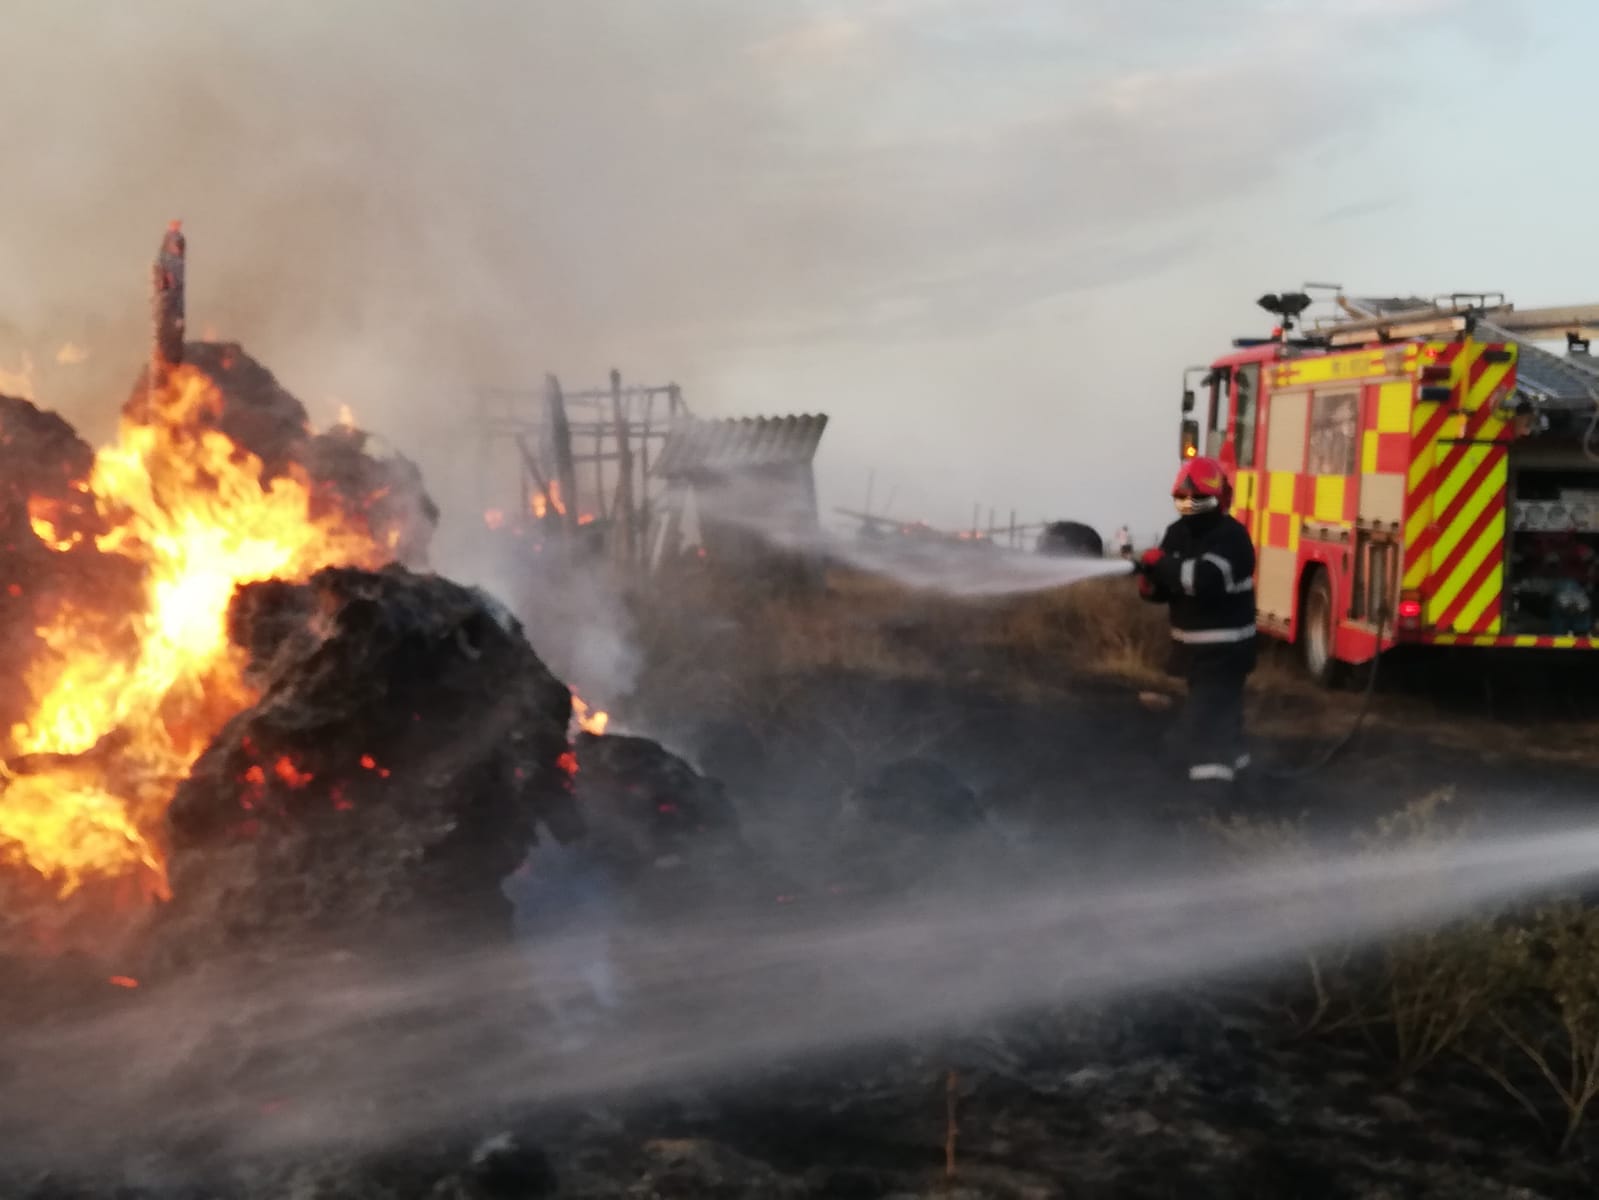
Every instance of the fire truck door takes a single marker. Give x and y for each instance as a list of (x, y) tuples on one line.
[(1220, 413), (1385, 461)]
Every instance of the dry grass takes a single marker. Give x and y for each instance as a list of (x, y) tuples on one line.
[(709, 639), (1098, 628), (715, 637), (1515, 993)]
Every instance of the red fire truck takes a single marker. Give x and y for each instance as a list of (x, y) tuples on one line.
[(1412, 471)]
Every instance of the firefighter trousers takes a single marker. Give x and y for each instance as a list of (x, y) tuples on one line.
[(1213, 745)]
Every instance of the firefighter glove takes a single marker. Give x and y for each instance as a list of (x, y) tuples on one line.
[(1144, 568), (1148, 561)]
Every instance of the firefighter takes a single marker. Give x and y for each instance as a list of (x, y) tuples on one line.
[(1204, 569)]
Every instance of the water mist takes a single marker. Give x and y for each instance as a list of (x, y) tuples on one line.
[(348, 1055)]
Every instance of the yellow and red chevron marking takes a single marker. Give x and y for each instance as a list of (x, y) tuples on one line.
[(1514, 641), (1456, 493)]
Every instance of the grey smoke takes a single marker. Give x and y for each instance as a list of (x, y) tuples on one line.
[(392, 201)]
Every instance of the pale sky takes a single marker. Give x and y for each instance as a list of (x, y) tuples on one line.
[(985, 236)]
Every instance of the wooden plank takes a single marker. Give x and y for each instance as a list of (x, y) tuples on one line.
[(623, 511), (561, 443), (531, 465), (647, 503)]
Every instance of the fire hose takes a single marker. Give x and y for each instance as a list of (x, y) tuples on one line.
[(1342, 743), (1369, 693)]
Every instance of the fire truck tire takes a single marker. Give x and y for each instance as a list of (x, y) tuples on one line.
[(1316, 631)]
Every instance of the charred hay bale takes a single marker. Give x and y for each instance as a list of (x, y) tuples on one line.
[(391, 776), (914, 824), (42, 453), (733, 752), (916, 795), (1071, 539), (642, 803)]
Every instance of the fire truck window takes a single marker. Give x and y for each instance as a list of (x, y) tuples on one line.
[(1220, 381), (1334, 418), (1248, 383)]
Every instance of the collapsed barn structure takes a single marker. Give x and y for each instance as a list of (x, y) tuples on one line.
[(629, 473)]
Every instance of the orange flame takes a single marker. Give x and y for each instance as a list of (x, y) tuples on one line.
[(588, 720), (191, 508)]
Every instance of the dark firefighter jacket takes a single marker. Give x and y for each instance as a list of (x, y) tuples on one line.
[(1208, 578)]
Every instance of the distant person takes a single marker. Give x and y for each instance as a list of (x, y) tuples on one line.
[(1124, 542), (1204, 568)]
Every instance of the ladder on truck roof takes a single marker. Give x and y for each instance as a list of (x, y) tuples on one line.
[(1542, 377)]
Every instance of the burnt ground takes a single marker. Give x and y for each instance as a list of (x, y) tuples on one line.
[(1186, 1094), (1090, 762)]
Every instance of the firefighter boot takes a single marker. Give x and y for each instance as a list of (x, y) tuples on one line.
[(1211, 786)]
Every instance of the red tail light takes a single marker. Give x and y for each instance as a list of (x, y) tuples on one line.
[(1435, 374), (1409, 611)]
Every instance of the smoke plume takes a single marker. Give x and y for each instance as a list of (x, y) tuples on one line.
[(392, 201)]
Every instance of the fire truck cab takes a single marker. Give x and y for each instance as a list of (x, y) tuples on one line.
[(1412, 471)]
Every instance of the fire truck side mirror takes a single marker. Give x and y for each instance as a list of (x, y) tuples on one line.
[(1190, 445), (1188, 400)]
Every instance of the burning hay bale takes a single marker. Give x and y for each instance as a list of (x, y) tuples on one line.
[(260, 417), (391, 774), (255, 412), (118, 569), (388, 491)]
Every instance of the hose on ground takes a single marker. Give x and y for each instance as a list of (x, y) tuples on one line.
[(1339, 746)]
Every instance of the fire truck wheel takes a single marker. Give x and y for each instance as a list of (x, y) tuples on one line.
[(1316, 632)]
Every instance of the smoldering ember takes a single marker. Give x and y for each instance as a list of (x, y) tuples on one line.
[(318, 881)]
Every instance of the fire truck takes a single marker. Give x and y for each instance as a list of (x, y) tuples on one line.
[(1412, 471)]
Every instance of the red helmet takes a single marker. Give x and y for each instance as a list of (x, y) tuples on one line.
[(1201, 486)]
